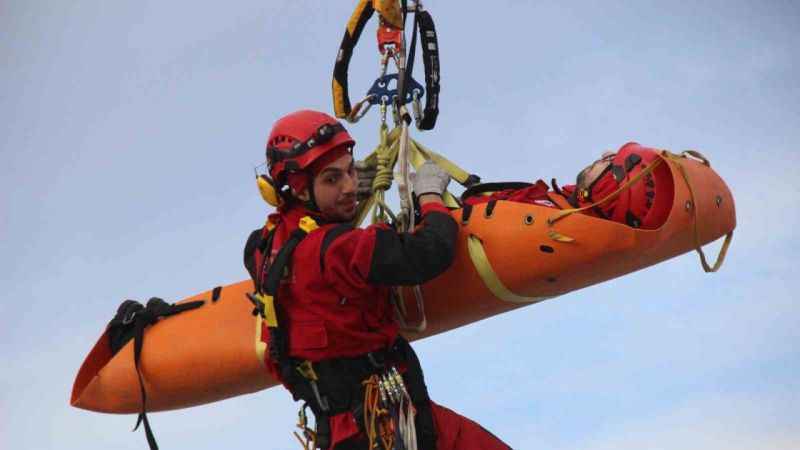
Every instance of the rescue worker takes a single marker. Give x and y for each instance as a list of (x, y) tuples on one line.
[(335, 343)]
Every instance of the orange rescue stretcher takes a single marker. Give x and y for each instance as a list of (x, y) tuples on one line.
[(509, 255)]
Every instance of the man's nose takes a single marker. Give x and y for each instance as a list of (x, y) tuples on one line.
[(350, 183)]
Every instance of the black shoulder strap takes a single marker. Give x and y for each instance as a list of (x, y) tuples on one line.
[(253, 242), (278, 266), (264, 249), (330, 235)]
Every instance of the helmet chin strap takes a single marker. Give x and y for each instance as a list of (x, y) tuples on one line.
[(311, 203)]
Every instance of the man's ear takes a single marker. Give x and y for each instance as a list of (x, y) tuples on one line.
[(302, 195)]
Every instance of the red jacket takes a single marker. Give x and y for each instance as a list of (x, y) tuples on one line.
[(336, 302)]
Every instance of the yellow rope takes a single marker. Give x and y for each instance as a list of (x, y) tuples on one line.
[(678, 160), (384, 158)]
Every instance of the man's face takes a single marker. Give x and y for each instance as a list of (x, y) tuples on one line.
[(335, 190)]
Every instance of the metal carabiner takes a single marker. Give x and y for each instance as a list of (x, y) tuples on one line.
[(399, 380), (384, 64), (383, 110), (417, 108), (359, 110)]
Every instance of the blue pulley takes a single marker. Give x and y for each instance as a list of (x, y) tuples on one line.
[(384, 90)]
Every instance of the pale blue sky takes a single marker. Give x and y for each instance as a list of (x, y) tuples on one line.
[(130, 130)]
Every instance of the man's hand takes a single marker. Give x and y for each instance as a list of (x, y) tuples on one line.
[(366, 175), (430, 179)]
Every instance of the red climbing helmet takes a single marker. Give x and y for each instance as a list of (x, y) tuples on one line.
[(300, 138)]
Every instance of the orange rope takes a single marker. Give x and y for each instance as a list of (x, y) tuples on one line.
[(310, 441), (377, 421)]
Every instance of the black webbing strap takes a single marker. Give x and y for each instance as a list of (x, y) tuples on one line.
[(264, 249), (430, 59), (281, 261), (412, 50), (490, 208), (424, 26), (406, 72), (330, 236), (466, 212), (156, 309), (277, 269), (482, 188)]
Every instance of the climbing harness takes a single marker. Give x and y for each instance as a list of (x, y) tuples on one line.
[(269, 276), (326, 387)]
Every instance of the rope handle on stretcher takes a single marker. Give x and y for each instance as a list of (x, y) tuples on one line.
[(728, 237)]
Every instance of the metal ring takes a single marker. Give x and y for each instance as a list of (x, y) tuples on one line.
[(528, 219)]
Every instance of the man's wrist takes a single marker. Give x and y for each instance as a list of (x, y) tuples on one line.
[(430, 198)]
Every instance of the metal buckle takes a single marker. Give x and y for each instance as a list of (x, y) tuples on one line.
[(128, 319)]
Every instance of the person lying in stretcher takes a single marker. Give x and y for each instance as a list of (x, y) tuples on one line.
[(643, 203)]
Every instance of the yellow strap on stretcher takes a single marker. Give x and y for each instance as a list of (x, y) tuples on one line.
[(489, 276)]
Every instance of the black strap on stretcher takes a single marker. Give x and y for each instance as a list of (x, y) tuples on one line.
[(129, 323)]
